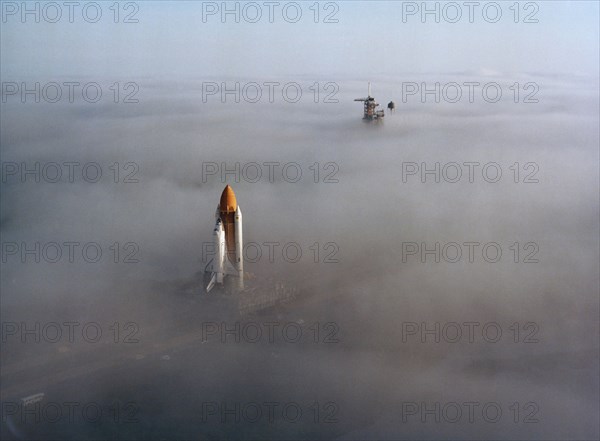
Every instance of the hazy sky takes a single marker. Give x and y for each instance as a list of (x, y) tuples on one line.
[(369, 38)]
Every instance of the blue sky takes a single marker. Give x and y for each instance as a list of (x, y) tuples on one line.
[(370, 38)]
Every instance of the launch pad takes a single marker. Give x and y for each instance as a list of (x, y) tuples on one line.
[(224, 273), (370, 112)]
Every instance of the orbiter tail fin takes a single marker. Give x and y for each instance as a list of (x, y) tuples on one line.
[(212, 282)]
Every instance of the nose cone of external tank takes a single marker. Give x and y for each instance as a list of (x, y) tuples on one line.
[(228, 203)]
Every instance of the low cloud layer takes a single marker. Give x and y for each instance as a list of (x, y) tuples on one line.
[(370, 202)]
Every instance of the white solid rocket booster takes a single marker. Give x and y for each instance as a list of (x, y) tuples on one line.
[(239, 247)]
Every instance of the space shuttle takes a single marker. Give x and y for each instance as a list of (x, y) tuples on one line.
[(228, 261)]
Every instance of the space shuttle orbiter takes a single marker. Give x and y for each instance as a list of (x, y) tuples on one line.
[(228, 261)]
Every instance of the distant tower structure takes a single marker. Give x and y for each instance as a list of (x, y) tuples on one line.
[(370, 107), (391, 106)]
